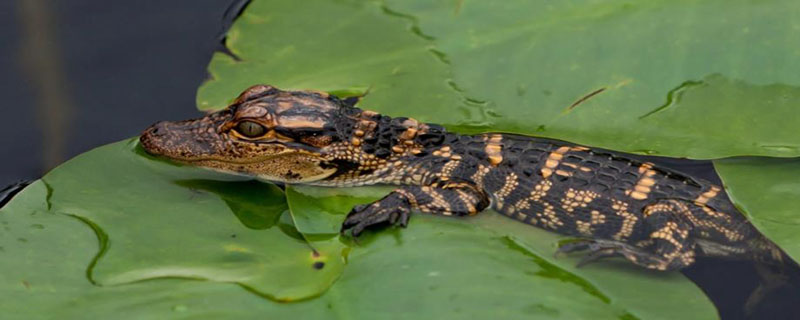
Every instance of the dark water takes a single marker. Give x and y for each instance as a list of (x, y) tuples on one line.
[(730, 284), (82, 73), (113, 70)]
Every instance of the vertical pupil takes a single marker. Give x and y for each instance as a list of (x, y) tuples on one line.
[(250, 129)]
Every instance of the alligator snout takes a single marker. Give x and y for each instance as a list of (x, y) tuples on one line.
[(157, 130), (155, 139), (152, 139), (182, 140)]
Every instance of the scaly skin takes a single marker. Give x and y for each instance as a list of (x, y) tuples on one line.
[(651, 216)]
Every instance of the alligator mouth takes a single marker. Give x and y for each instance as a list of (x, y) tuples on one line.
[(277, 161), (249, 160), (197, 143), (176, 147)]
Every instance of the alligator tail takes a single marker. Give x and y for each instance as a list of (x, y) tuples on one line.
[(776, 271)]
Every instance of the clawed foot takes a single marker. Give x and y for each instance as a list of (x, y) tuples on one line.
[(367, 215), (597, 249)]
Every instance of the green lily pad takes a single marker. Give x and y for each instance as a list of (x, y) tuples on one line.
[(44, 275), (257, 205), (537, 64), (342, 55), (157, 220), (768, 191), (132, 237), (651, 77), (419, 270), (319, 217), (388, 273), (509, 267), (44, 255)]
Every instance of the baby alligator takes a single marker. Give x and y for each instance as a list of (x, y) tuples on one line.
[(654, 217)]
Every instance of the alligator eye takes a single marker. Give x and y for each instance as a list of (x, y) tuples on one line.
[(250, 129)]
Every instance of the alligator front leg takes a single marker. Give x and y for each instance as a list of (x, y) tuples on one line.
[(457, 199)]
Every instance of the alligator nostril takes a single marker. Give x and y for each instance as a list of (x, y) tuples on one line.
[(157, 130)]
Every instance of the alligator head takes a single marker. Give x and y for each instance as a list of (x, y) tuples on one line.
[(276, 135)]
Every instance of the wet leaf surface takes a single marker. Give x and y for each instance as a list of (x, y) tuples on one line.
[(177, 272), (532, 61), (158, 220), (768, 191), (362, 48), (322, 210), (649, 77), (44, 265), (484, 257), (257, 205), (44, 255), (652, 77)]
